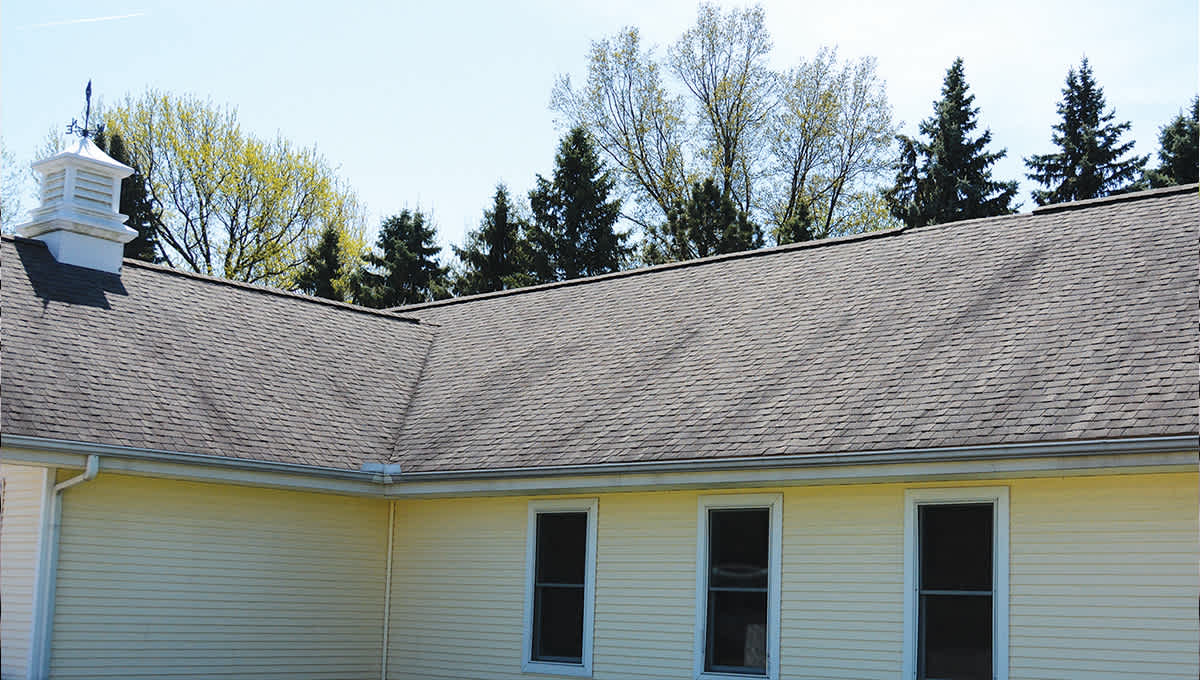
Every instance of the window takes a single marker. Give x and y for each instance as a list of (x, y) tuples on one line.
[(737, 586), (956, 574), (560, 582)]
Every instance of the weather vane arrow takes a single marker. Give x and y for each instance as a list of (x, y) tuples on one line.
[(83, 130)]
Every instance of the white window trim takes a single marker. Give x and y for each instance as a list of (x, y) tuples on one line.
[(773, 502), (528, 664), (998, 497)]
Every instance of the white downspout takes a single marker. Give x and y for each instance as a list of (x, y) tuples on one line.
[(387, 590), (47, 573), (89, 473)]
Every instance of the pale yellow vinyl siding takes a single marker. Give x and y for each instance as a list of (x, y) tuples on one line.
[(19, 525), (457, 588), (843, 582), (1130, 600), (1104, 578), (169, 579)]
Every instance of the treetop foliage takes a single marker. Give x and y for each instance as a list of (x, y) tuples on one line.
[(813, 139), (135, 203), (326, 268), (492, 257), (12, 180), (709, 223), (230, 204), (704, 146), (405, 270), (1178, 151), (574, 233), (1091, 161), (949, 176)]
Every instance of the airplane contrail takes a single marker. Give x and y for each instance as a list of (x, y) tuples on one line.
[(88, 20)]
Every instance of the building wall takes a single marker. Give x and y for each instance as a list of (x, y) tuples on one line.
[(164, 578), (1103, 582), (20, 519), (161, 578), (1104, 578)]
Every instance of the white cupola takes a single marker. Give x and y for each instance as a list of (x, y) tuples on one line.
[(77, 219)]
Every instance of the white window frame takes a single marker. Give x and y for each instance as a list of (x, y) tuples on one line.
[(774, 503), (528, 664), (913, 500)]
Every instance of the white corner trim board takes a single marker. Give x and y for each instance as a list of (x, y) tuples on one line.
[(47, 564), (528, 663), (997, 496)]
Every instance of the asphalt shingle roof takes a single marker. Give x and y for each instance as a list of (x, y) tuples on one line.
[(156, 359), (1081, 322), (1070, 324)]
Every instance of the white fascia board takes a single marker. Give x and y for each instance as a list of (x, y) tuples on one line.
[(1148, 454), (191, 467)]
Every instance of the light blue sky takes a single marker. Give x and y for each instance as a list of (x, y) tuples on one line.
[(430, 103)]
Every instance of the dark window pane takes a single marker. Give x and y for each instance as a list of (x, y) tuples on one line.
[(957, 637), (737, 631), (561, 547), (558, 624), (739, 541), (956, 547)]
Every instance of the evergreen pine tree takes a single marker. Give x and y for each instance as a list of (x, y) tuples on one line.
[(573, 234), (708, 223), (797, 228), (949, 177), (1089, 163), (1178, 151), (491, 258), (135, 202), (323, 267), (405, 270)]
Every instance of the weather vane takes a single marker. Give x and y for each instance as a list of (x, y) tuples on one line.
[(83, 130)]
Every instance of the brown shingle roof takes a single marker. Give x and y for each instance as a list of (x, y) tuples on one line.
[(1071, 324), (157, 359)]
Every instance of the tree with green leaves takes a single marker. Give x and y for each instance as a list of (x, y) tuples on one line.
[(406, 270), (230, 204), (709, 223), (574, 220), (723, 62), (949, 177), (135, 202), (634, 120), (1178, 152), (492, 259), (1091, 161), (830, 137), (324, 270)]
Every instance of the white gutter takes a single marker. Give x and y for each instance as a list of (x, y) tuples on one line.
[(387, 590), (1043, 457), (952, 453), (47, 571)]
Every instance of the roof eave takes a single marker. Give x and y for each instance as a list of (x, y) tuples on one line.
[(1163, 453)]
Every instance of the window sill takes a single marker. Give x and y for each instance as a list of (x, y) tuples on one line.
[(573, 670), (716, 675)]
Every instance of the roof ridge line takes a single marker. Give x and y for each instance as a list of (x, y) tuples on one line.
[(1116, 198), (252, 287), (655, 268)]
